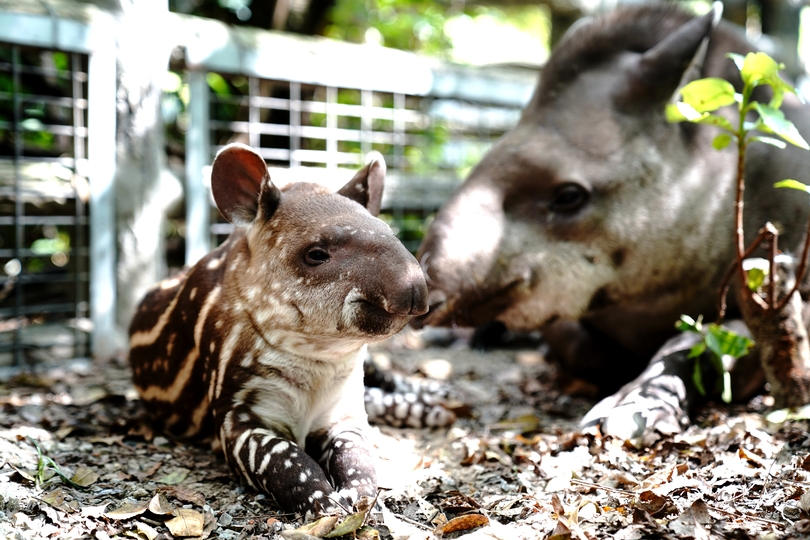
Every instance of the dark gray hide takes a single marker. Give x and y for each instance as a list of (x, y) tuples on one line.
[(599, 222)]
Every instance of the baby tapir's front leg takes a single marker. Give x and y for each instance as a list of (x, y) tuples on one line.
[(332, 473), (345, 458)]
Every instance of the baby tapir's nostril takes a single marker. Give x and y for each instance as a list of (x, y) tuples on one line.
[(409, 296), (419, 298)]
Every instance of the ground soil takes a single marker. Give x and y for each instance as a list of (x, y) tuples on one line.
[(515, 464)]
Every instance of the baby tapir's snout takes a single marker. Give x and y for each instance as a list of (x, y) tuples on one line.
[(402, 285)]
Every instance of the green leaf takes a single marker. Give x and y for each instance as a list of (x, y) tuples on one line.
[(697, 377), (680, 112), (769, 140), (722, 341), (751, 126), (775, 120), (714, 120), (673, 113), (756, 268), (758, 68), (755, 278), (722, 141), (708, 94), (698, 349), (688, 324), (792, 184), (218, 84)]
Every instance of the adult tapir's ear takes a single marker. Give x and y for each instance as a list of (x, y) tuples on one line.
[(241, 185), (367, 185), (657, 74)]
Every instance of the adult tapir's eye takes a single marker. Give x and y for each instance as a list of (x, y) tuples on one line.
[(568, 197), (316, 256)]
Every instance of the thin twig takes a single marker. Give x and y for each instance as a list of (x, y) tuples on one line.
[(413, 522), (737, 513), (724, 283), (739, 204), (772, 266), (606, 488), (765, 485)]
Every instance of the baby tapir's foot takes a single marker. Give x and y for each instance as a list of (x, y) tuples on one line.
[(345, 459), (278, 466), (398, 401)]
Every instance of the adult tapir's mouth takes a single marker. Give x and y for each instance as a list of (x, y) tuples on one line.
[(470, 309)]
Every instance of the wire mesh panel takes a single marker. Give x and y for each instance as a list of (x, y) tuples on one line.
[(43, 204), (428, 143)]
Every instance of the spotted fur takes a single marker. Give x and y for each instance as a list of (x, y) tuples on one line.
[(260, 345)]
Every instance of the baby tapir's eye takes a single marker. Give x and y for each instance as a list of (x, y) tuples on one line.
[(568, 198), (316, 256)]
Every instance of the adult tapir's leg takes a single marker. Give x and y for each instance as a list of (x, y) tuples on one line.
[(662, 396)]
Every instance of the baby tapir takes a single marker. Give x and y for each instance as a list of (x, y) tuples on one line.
[(261, 343)]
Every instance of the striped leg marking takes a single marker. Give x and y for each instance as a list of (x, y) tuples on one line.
[(345, 457), (280, 467), (395, 400)]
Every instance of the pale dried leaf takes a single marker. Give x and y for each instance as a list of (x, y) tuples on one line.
[(186, 522), (297, 535), (319, 527), (348, 525), (94, 511), (84, 477), (146, 530), (128, 510), (367, 533), (160, 505), (557, 505), (804, 501), (175, 477), (751, 459)]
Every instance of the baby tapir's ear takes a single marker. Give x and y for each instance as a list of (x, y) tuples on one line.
[(367, 185), (241, 185)]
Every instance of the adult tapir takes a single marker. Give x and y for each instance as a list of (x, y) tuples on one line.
[(601, 223)]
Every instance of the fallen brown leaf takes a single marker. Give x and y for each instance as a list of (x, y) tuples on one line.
[(54, 498), (560, 532), (183, 494), (464, 523)]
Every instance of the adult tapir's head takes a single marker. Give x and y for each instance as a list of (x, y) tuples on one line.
[(309, 264), (594, 201)]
